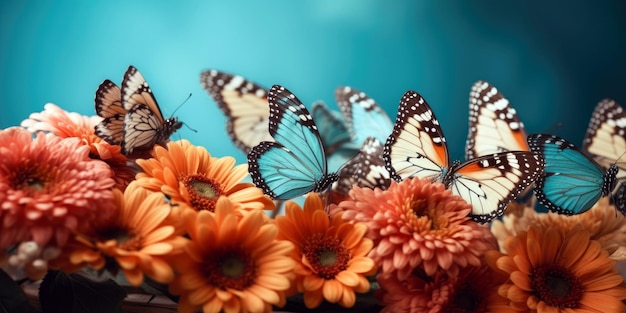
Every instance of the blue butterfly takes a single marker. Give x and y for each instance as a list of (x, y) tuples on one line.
[(294, 163), (364, 117), (332, 128), (571, 182)]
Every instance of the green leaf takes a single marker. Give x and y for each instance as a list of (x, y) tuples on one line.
[(12, 297), (74, 293)]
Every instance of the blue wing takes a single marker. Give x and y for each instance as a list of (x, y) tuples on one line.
[(331, 127), (571, 182), (364, 117), (295, 163)]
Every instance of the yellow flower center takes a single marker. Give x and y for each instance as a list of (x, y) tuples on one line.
[(556, 286), (203, 191), (327, 256), (231, 269)]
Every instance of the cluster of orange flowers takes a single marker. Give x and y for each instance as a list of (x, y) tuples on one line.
[(70, 200)]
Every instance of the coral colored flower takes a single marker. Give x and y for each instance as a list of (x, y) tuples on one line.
[(73, 125), (474, 290), (602, 222), (136, 238), (416, 222), (232, 264), (555, 272), (49, 188), (330, 253), (188, 174)]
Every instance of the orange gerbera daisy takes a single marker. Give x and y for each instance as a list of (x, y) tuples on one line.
[(417, 222), (137, 239), (188, 174), (551, 271), (232, 264), (474, 290), (73, 125), (49, 188), (602, 222), (330, 253)]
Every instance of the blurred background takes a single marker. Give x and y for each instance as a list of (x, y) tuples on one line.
[(553, 60)]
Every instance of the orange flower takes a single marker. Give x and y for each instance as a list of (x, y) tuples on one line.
[(232, 264), (602, 222), (555, 272), (330, 253), (49, 188), (136, 238), (474, 290), (416, 222), (73, 125), (188, 174)]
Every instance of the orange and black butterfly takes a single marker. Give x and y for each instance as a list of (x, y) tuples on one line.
[(132, 117)]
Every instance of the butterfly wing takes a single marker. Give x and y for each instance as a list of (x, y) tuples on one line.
[(295, 163), (571, 182), (331, 127), (366, 169), (606, 135), (416, 146), (144, 125), (493, 123), (108, 103), (245, 105), (363, 116), (489, 183)]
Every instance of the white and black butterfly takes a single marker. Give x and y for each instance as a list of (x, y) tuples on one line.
[(493, 123), (295, 162), (418, 148), (366, 169), (245, 105), (364, 117), (132, 117), (605, 140)]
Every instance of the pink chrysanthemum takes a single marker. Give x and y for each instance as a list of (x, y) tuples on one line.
[(65, 124), (415, 223), (49, 187)]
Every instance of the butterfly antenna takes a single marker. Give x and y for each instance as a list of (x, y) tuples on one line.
[(180, 105), (553, 128)]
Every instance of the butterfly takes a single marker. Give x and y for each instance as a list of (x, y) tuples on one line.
[(418, 148), (365, 169), (493, 123), (294, 163), (245, 105), (134, 120), (364, 117), (331, 127), (605, 140), (571, 182)]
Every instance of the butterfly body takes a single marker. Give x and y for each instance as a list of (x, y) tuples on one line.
[(418, 148), (572, 182), (132, 117), (294, 163)]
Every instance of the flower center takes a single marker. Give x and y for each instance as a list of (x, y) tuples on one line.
[(30, 180), (126, 239), (203, 191), (556, 286), (232, 269), (327, 256), (424, 215)]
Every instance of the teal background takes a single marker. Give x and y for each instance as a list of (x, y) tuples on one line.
[(554, 60)]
